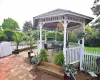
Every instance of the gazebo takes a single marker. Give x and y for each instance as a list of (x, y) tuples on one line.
[(66, 19)]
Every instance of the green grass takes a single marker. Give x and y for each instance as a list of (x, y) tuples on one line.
[(92, 49)]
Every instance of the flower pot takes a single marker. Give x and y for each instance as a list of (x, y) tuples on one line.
[(36, 62), (16, 51), (29, 53)]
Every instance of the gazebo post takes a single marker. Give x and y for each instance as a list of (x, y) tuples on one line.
[(40, 47), (64, 46), (82, 49), (45, 37), (56, 35)]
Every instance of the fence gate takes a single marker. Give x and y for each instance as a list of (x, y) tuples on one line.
[(89, 61)]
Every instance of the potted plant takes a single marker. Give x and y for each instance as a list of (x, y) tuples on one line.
[(30, 42), (70, 70), (17, 37), (35, 60)]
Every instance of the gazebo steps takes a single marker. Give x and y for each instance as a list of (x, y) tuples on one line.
[(52, 70)]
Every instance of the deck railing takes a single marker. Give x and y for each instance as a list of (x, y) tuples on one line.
[(72, 55)]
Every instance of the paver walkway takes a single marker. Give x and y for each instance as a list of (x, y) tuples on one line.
[(17, 67)]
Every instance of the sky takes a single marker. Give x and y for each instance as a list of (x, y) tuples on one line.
[(25, 10)]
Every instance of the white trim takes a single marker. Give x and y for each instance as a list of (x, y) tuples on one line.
[(75, 62)]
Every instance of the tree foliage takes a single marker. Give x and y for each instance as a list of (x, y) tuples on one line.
[(97, 27), (30, 40), (27, 26), (0, 27), (96, 8), (9, 33), (10, 23), (89, 31), (18, 37), (72, 37), (2, 36)]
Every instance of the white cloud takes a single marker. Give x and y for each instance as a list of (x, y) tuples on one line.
[(22, 10)]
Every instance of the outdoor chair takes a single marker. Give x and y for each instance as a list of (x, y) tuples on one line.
[(45, 46), (61, 47), (55, 48)]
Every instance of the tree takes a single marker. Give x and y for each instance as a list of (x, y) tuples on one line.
[(96, 7), (98, 27), (0, 27), (96, 11), (72, 37), (89, 32), (2, 36), (31, 41), (10, 23), (27, 26), (18, 37), (9, 33)]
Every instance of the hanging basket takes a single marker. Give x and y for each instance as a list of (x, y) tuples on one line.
[(80, 35)]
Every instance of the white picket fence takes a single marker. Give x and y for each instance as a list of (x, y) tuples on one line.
[(72, 55), (89, 61)]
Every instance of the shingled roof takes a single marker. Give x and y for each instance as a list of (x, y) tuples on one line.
[(60, 12), (57, 12)]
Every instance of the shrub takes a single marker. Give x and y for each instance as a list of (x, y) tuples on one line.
[(59, 58), (43, 55), (52, 34)]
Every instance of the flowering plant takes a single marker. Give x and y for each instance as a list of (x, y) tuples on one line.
[(71, 69)]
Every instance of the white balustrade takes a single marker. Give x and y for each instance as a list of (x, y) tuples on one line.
[(72, 55)]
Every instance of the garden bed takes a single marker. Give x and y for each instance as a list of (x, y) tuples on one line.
[(51, 69)]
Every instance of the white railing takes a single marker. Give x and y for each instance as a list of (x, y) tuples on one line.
[(89, 62), (72, 55)]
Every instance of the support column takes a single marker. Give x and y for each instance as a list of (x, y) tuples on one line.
[(56, 35), (83, 25), (40, 37), (82, 49), (67, 39), (45, 37), (64, 46)]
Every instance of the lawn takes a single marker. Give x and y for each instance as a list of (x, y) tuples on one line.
[(92, 49)]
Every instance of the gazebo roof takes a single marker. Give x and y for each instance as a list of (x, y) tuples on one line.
[(58, 12)]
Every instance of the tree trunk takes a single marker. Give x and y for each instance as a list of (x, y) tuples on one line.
[(31, 50), (17, 46)]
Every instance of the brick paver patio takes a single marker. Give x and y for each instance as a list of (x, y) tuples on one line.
[(17, 67)]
